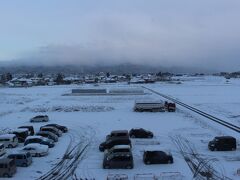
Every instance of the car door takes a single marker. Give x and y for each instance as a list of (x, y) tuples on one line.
[(137, 133), (153, 158), (28, 149), (143, 133), (227, 144), (19, 159), (161, 158)]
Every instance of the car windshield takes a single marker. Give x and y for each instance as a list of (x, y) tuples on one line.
[(45, 139)]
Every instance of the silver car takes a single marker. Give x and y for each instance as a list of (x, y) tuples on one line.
[(36, 150)]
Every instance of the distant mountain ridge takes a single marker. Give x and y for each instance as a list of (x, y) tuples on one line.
[(87, 69)]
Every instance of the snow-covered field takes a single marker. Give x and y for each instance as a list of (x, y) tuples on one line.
[(93, 117)]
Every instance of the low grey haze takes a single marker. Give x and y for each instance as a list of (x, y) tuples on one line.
[(189, 34)]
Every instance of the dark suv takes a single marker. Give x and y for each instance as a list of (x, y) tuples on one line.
[(30, 129), (114, 141), (64, 129), (21, 134), (140, 133), (118, 161), (48, 134), (223, 143), (118, 133), (157, 157)]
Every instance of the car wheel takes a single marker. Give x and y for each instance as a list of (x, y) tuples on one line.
[(6, 175), (148, 162), (129, 167), (170, 161), (106, 167), (150, 136), (10, 146), (233, 149), (24, 164)]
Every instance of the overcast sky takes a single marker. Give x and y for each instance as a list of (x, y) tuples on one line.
[(198, 33)]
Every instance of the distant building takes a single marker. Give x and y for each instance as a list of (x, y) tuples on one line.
[(21, 82)]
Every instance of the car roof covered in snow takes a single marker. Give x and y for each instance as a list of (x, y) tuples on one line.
[(36, 145), (20, 130), (7, 136), (34, 137), (121, 147)]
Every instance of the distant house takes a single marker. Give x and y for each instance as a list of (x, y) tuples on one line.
[(49, 81), (38, 81), (72, 80), (20, 82), (111, 79), (137, 80), (90, 79)]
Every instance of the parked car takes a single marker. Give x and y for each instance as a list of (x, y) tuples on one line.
[(118, 149), (2, 150), (22, 159), (157, 157), (40, 140), (30, 129), (51, 129), (223, 143), (64, 129), (35, 149), (114, 141), (140, 133), (118, 161), (40, 118), (9, 140), (118, 133), (21, 134), (7, 167), (48, 134)]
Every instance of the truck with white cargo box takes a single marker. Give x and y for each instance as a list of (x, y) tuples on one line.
[(149, 106)]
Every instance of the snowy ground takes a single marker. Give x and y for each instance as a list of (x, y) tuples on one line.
[(94, 117)]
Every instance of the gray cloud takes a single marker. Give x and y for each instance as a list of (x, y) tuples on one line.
[(200, 34)]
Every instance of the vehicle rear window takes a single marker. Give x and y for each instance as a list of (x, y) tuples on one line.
[(11, 163)]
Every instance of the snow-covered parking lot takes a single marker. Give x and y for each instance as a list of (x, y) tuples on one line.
[(91, 118)]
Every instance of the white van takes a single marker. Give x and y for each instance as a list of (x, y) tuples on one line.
[(2, 149), (9, 140)]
